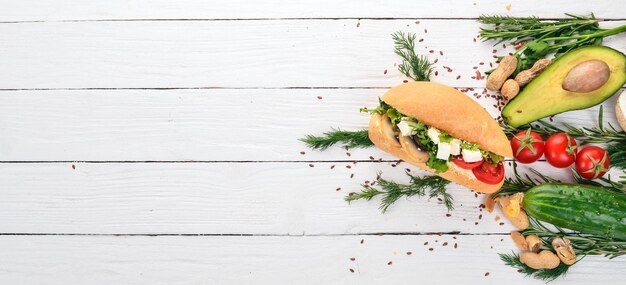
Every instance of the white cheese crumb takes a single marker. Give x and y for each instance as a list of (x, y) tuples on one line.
[(406, 128), (443, 151), (471, 155), (455, 147), (433, 134)]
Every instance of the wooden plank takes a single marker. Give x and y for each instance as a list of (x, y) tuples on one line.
[(274, 260), (234, 54), (205, 125), (225, 198), (48, 10)]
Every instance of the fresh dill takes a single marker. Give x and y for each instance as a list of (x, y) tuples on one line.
[(416, 67), (391, 191), (349, 139)]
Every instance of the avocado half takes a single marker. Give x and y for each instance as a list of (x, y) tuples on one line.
[(544, 95)]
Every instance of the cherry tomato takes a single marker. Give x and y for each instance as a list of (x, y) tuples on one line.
[(489, 173), (458, 160), (527, 146), (561, 150), (592, 162)]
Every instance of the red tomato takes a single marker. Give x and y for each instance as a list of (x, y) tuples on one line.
[(458, 160), (489, 173), (527, 146), (592, 162), (561, 150)]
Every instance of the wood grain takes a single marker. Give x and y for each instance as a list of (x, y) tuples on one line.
[(51, 10), (235, 54), (274, 260), (225, 198), (194, 125)]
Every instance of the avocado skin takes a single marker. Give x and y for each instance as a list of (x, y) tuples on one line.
[(544, 96)]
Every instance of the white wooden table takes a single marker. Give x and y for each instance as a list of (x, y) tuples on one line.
[(155, 142)]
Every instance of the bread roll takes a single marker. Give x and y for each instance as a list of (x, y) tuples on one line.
[(449, 110)]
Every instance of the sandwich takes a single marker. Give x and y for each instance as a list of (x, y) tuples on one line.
[(441, 130)]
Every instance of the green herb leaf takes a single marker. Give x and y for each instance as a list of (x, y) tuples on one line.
[(439, 165), (416, 67), (391, 191), (349, 139)]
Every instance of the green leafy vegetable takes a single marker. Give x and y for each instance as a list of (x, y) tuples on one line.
[(416, 67), (439, 165), (392, 191)]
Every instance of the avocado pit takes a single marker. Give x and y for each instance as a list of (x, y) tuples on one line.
[(587, 76)]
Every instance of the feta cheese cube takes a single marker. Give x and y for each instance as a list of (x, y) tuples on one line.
[(471, 155), (443, 151), (406, 128), (433, 134), (455, 147)]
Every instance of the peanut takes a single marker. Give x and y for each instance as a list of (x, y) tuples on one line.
[(509, 90), (564, 250), (519, 220), (534, 243), (519, 240), (543, 260), (507, 66), (489, 203), (528, 75), (587, 76)]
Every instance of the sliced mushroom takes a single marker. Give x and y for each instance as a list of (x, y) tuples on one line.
[(389, 132), (411, 148), (564, 250)]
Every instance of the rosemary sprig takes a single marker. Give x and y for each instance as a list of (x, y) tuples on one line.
[(414, 66), (544, 37), (583, 244), (546, 275), (519, 183), (615, 139), (349, 139), (392, 191)]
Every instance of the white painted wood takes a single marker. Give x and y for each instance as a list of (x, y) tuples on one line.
[(224, 198), (173, 125), (274, 260), (54, 10), (250, 54)]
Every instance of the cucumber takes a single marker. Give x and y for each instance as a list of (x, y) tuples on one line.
[(581, 208)]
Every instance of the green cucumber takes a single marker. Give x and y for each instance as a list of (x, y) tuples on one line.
[(581, 208)]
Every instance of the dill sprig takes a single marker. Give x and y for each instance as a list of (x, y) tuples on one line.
[(546, 275), (414, 66), (615, 139), (349, 139), (391, 191)]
